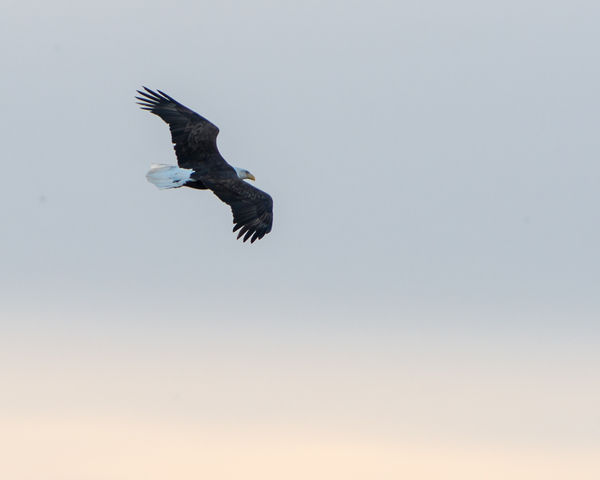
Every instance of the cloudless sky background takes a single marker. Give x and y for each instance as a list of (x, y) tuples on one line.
[(427, 303)]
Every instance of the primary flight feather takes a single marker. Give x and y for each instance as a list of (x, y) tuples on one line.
[(201, 166)]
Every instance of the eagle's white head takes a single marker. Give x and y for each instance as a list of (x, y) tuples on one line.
[(244, 174)]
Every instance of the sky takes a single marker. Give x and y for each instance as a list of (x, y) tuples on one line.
[(427, 303)]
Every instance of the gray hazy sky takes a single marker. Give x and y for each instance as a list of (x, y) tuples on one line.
[(434, 168), (433, 152)]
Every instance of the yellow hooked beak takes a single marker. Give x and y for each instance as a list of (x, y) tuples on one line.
[(249, 176)]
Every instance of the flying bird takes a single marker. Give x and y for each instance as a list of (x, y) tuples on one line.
[(201, 166)]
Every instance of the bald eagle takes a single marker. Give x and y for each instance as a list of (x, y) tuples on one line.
[(201, 166)]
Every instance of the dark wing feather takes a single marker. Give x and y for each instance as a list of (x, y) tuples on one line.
[(194, 137), (252, 208)]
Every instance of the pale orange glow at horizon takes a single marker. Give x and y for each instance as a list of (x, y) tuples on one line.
[(250, 404), (119, 449)]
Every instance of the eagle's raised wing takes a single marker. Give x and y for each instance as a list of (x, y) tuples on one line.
[(252, 208), (194, 137)]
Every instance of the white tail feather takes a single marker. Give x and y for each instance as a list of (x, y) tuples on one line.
[(168, 176)]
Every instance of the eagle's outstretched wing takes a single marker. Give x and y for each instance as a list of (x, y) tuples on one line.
[(252, 208), (194, 137)]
